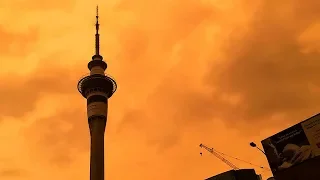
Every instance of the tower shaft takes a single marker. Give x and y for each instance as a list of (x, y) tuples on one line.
[(97, 129), (97, 110)]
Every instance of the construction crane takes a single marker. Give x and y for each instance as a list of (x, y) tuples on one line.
[(212, 151)]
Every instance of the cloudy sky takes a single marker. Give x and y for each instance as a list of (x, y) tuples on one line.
[(218, 72)]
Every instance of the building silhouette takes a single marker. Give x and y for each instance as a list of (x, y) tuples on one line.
[(294, 153), (242, 174), (271, 178), (97, 88)]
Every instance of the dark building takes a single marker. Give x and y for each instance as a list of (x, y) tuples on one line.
[(308, 170), (242, 174), (294, 153), (97, 88)]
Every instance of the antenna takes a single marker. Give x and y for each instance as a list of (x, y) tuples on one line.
[(97, 33)]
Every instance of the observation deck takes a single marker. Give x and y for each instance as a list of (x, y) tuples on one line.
[(104, 83)]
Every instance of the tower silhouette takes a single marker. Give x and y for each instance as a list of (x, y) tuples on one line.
[(97, 88)]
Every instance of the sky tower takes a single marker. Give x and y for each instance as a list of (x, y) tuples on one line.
[(97, 88)]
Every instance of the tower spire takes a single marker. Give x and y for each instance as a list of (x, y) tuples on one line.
[(97, 33)]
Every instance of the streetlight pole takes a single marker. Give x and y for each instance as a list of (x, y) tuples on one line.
[(252, 144)]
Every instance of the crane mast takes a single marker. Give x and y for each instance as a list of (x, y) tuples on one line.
[(212, 151)]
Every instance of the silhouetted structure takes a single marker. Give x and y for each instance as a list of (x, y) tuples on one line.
[(97, 88), (294, 153), (307, 170), (242, 174), (271, 178)]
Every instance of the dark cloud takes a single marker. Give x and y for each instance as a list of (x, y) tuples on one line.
[(158, 30), (36, 5), (62, 136), (16, 43), (26, 91), (265, 69), (268, 68), (11, 172)]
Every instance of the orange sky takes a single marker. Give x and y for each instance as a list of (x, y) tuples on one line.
[(219, 72)]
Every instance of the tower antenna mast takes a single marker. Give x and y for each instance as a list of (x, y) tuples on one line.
[(97, 41)]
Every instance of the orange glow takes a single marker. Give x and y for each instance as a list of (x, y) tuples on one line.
[(219, 72)]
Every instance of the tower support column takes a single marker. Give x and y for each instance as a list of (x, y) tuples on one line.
[(97, 130)]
